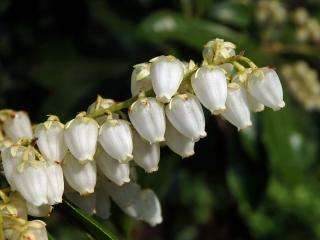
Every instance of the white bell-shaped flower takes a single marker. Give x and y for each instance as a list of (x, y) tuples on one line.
[(11, 157), (253, 104), (86, 203), (148, 118), (177, 142), (31, 182), (33, 230), (116, 139), (217, 50), (17, 126), (185, 113), (237, 111), (166, 75), (102, 199), (14, 206), (123, 195), (99, 104), (145, 154), (140, 78), (151, 207), (39, 211), (81, 177), (210, 85), (50, 139), (81, 135), (55, 183), (114, 170), (265, 86)]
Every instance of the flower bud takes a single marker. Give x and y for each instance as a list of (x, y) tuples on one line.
[(99, 104), (81, 135), (237, 110), (81, 177), (116, 139), (145, 154), (185, 114), (55, 183), (166, 75), (140, 78), (111, 168), (151, 208), (210, 85), (177, 142), (17, 126), (39, 211), (266, 88), (50, 139), (31, 182), (148, 118)]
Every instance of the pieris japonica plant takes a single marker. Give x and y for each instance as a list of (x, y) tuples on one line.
[(91, 158)]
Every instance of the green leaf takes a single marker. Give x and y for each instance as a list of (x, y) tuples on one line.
[(50, 237), (93, 226), (166, 25)]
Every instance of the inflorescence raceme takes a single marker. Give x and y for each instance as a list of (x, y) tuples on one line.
[(91, 158)]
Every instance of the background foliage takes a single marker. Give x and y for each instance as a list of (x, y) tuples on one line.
[(262, 183)]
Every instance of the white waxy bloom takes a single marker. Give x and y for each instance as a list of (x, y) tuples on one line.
[(55, 183), (81, 135), (81, 177), (253, 104), (166, 75), (140, 78), (102, 199), (237, 111), (17, 126), (210, 85), (265, 86), (148, 118), (185, 113), (11, 157), (116, 139), (111, 168), (178, 143), (33, 230), (39, 211), (151, 207), (145, 154), (100, 104), (50, 139), (31, 182)]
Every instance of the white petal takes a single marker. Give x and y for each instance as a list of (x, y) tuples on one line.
[(111, 168), (253, 104), (50, 140), (210, 86), (267, 90), (116, 139), (166, 75), (55, 183), (81, 135), (178, 143), (34, 230), (148, 118), (140, 78), (145, 154), (186, 115), (124, 195), (81, 177), (18, 126), (237, 112), (152, 208), (32, 183), (39, 211)]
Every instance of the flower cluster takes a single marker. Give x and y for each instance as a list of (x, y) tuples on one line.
[(303, 83), (91, 158), (270, 11)]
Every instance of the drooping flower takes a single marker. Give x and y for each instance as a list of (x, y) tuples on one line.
[(55, 183), (166, 75), (185, 113), (140, 78), (148, 118), (39, 211), (210, 85)]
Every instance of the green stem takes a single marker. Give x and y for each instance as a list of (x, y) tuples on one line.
[(248, 61)]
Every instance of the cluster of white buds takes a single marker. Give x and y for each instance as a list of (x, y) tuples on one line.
[(303, 83), (14, 211), (308, 27), (270, 11), (91, 157)]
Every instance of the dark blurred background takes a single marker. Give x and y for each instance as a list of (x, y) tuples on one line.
[(261, 183)]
